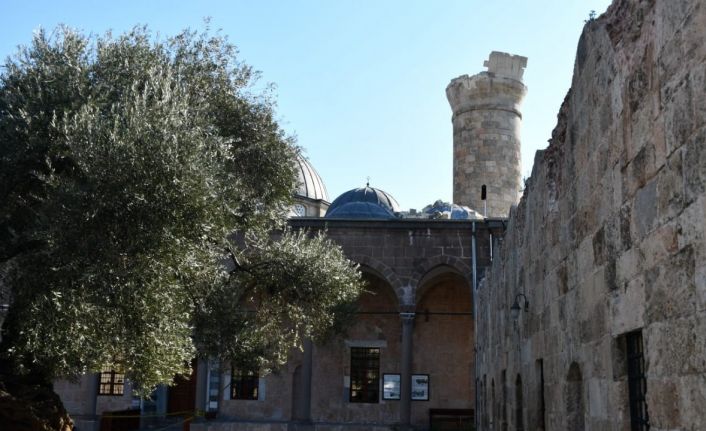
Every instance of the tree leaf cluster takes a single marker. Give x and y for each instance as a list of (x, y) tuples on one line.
[(127, 164)]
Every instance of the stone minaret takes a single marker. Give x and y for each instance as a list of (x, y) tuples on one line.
[(486, 123)]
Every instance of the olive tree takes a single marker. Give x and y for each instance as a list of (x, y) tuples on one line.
[(144, 185)]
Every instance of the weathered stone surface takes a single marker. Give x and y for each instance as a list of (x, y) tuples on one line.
[(610, 235), (486, 128)]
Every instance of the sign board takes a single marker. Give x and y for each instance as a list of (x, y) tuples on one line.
[(420, 387), (390, 386)]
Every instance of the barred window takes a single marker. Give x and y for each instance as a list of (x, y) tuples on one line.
[(365, 375), (111, 382), (637, 384), (244, 384)]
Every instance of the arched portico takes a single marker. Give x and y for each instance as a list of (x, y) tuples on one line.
[(432, 266), (443, 319), (379, 269), (419, 306)]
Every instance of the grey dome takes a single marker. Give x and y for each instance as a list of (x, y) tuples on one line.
[(309, 183), (364, 203)]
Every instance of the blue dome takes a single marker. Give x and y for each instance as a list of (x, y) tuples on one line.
[(364, 203)]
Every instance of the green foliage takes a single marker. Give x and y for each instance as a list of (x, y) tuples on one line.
[(269, 293), (126, 166)]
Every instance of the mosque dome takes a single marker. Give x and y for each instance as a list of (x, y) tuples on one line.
[(364, 203), (447, 210), (309, 183)]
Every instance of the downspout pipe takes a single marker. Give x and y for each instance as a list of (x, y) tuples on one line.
[(475, 309)]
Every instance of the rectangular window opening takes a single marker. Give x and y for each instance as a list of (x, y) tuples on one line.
[(637, 383), (540, 366), (244, 385), (111, 382), (365, 375)]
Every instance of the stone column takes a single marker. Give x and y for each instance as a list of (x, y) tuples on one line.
[(406, 371), (201, 382), (93, 385), (486, 134), (307, 366)]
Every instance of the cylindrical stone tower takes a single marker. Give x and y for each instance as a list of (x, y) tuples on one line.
[(486, 126)]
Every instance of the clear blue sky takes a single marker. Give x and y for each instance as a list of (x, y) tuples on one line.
[(361, 82)]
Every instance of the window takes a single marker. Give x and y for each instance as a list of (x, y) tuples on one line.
[(503, 424), (484, 401), (519, 417), (540, 395), (493, 406), (244, 384), (111, 382), (637, 385), (365, 374), (573, 399)]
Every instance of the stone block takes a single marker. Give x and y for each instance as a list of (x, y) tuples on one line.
[(676, 99), (670, 188), (692, 399), (669, 289), (628, 265), (627, 307), (695, 165), (663, 402), (597, 400), (674, 348), (645, 210), (659, 245)]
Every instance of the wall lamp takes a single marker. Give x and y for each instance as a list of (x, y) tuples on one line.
[(515, 308)]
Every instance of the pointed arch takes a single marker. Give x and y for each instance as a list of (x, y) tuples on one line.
[(519, 405), (573, 397), (380, 270), (460, 266)]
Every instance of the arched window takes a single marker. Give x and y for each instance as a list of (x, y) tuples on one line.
[(297, 394), (541, 421), (574, 399), (519, 419), (503, 388), (492, 403), (485, 401)]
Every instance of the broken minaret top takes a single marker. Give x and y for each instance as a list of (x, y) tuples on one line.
[(506, 65)]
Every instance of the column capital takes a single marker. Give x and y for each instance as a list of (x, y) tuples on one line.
[(407, 316)]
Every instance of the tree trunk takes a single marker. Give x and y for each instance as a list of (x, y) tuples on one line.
[(27, 404), (27, 401)]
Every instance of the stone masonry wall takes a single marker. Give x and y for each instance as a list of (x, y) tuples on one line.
[(609, 238)]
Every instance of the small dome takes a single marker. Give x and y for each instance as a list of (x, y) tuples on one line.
[(364, 203), (447, 210), (309, 183)]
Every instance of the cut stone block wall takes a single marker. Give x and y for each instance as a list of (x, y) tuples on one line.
[(609, 237), (486, 134)]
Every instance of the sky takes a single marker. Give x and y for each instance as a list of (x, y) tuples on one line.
[(361, 84)]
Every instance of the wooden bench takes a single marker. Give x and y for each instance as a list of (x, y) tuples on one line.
[(451, 419)]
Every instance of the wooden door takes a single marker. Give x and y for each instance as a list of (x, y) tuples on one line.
[(182, 396)]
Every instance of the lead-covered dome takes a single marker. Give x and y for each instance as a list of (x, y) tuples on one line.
[(309, 183), (364, 203)]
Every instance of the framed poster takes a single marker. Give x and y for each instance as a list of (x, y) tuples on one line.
[(390, 386), (420, 387)]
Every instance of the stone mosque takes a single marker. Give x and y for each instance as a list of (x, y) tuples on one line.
[(579, 304), (391, 368)]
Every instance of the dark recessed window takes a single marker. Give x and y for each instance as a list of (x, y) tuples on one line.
[(111, 382), (244, 384), (637, 384), (365, 374), (519, 405)]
